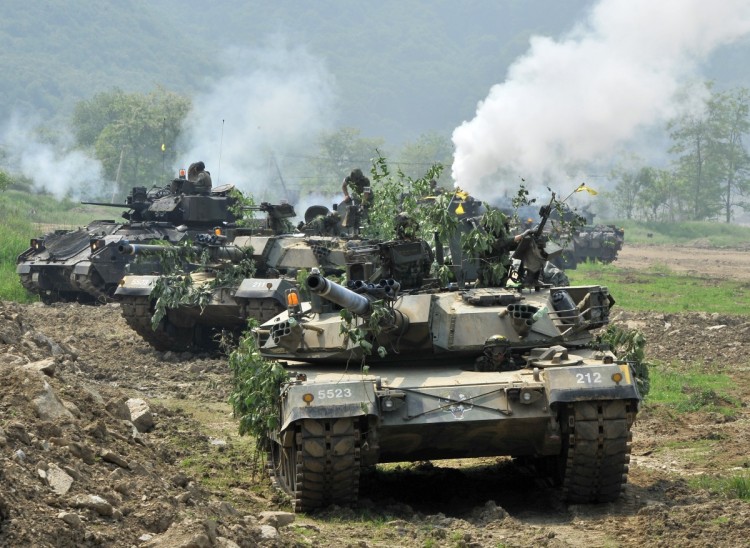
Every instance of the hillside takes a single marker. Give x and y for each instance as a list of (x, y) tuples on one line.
[(401, 68)]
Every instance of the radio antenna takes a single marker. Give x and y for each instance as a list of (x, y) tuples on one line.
[(221, 146)]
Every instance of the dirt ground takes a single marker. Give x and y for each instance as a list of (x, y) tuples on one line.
[(99, 435), (706, 262)]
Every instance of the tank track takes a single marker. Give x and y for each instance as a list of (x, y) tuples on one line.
[(95, 290), (596, 450), (137, 313), (323, 465)]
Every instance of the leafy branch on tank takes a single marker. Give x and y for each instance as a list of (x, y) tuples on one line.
[(365, 334), (177, 287), (256, 383), (628, 345), (396, 193)]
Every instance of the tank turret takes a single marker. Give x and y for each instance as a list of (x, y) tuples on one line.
[(85, 265)]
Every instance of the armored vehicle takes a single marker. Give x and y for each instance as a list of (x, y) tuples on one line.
[(277, 258), (84, 265), (598, 242), (428, 373)]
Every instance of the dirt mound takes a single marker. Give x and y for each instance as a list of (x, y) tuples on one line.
[(92, 455), (86, 464)]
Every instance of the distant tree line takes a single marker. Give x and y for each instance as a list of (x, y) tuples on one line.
[(709, 175), (135, 135)]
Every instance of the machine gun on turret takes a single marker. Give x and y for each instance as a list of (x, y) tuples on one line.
[(277, 216), (137, 202)]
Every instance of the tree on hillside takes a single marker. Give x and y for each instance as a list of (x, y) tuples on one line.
[(427, 150), (338, 153), (657, 194), (692, 137), (629, 185), (730, 118), (713, 166), (133, 134), (5, 180)]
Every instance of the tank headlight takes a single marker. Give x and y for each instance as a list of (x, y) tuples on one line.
[(37, 244), (96, 245), (617, 377), (292, 299), (528, 396), (387, 404), (217, 231), (308, 398)]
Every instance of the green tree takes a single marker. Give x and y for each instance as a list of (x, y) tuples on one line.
[(657, 193), (627, 189), (730, 117), (338, 153), (428, 150), (692, 143), (5, 180), (133, 134)]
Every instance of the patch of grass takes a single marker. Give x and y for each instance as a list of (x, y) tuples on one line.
[(694, 451), (736, 486), (691, 388), (658, 289), (213, 452)]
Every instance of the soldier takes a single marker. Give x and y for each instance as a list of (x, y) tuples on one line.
[(200, 178), (406, 227), (494, 264), (358, 201)]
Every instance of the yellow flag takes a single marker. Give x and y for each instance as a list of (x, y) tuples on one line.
[(584, 188), (163, 147), (460, 209)]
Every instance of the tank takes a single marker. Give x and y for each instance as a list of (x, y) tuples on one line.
[(590, 243), (84, 264), (277, 259), (448, 372)]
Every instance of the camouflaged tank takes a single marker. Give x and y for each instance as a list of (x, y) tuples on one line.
[(591, 243), (84, 264), (277, 259), (450, 373)]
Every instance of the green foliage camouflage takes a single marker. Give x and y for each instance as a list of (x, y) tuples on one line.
[(256, 384), (629, 345), (176, 287)]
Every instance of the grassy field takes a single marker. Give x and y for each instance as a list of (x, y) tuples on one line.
[(664, 291)]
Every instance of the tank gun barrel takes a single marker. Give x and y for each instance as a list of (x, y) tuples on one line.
[(340, 295), (278, 211), (108, 204), (126, 248), (231, 253)]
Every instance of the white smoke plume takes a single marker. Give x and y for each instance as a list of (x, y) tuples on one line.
[(53, 166), (271, 105), (572, 102)]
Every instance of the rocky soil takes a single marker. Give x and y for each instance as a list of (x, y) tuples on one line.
[(106, 442)]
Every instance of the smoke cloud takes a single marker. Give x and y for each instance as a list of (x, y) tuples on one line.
[(572, 102), (272, 104), (53, 165)]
